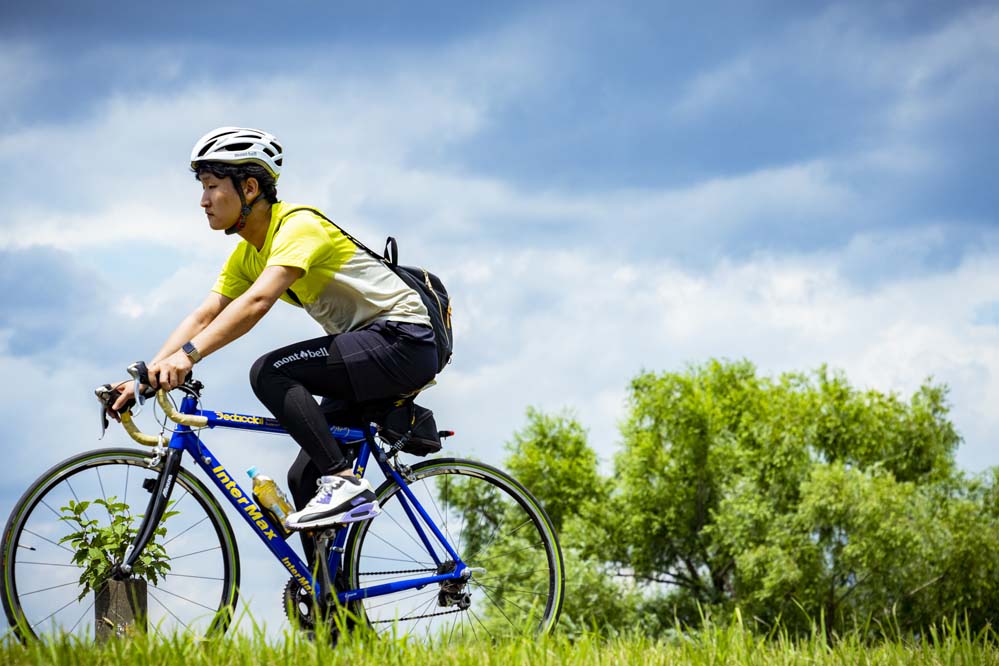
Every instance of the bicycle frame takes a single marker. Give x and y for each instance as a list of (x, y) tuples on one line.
[(185, 439)]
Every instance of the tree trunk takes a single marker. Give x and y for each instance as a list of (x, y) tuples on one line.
[(120, 608)]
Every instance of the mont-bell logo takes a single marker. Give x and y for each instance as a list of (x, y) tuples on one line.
[(302, 354)]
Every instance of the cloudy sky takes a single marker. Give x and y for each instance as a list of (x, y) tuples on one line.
[(606, 188)]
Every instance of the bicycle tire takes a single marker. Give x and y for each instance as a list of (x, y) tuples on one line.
[(34, 528), (494, 523)]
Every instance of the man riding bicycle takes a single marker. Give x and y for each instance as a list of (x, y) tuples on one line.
[(378, 343)]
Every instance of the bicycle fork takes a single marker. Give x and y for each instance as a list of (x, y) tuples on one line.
[(160, 488)]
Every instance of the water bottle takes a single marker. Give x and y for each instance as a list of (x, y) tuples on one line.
[(270, 499)]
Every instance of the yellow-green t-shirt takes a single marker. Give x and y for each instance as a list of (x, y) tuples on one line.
[(343, 288)]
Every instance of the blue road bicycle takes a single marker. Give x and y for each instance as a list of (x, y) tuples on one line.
[(460, 551)]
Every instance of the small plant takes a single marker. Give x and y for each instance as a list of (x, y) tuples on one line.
[(99, 548)]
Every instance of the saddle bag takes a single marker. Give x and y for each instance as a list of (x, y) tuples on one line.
[(414, 426)]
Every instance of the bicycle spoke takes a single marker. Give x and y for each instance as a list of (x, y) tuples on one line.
[(190, 601), (496, 535), (404, 528), (173, 558), (171, 573), (53, 613), (58, 545), (100, 482), (164, 607), (54, 512), (46, 589), (80, 619), (443, 522), (396, 600), (396, 548), (507, 553), (176, 502), (507, 587), (177, 536), (481, 624), (75, 497), (472, 615), (499, 607)]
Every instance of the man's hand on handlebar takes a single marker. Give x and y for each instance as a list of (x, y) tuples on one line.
[(170, 372), (125, 400)]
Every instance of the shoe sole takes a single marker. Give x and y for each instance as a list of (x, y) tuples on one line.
[(354, 515)]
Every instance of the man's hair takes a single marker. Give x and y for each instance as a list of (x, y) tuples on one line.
[(268, 188)]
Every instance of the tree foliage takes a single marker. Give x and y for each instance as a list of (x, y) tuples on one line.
[(797, 500)]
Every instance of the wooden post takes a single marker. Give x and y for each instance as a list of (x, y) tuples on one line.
[(120, 608)]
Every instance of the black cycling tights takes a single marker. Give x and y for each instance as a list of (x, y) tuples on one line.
[(383, 360), (286, 380)]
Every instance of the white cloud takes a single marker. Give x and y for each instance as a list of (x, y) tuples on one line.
[(717, 87), (915, 79), (584, 325)]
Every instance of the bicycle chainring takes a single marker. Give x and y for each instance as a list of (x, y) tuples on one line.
[(299, 605)]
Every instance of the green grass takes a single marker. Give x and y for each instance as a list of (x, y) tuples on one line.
[(715, 645)]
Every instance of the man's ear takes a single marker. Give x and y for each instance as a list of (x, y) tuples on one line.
[(251, 188)]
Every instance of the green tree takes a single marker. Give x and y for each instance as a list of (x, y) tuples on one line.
[(551, 457), (796, 500), (799, 499)]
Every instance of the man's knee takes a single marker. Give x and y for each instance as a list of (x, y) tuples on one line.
[(258, 373)]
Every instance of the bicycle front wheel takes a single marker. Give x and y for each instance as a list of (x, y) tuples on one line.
[(41, 581), (497, 528)]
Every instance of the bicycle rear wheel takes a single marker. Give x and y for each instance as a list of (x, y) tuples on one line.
[(41, 583), (495, 526)]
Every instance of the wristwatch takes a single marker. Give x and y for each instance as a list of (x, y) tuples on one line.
[(191, 351)]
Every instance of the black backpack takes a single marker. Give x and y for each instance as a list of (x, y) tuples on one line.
[(423, 282)]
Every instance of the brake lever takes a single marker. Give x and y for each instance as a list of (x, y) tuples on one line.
[(103, 396), (139, 373)]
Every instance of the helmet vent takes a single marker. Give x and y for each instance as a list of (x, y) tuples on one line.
[(239, 145)]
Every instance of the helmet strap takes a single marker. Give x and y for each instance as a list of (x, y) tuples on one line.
[(246, 209)]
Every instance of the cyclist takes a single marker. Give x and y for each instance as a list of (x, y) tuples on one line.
[(378, 342)]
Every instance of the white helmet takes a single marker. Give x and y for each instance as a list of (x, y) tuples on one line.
[(239, 145)]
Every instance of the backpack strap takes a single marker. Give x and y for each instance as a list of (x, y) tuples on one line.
[(342, 230), (315, 211), (391, 255)]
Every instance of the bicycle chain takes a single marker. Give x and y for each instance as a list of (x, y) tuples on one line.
[(417, 617), (401, 571)]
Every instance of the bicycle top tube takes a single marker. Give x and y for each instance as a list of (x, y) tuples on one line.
[(223, 419)]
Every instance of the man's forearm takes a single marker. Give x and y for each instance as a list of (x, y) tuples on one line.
[(236, 320), (193, 324)]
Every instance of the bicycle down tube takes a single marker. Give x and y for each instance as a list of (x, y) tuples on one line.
[(185, 439)]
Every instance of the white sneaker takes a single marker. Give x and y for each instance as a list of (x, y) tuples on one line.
[(341, 499)]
